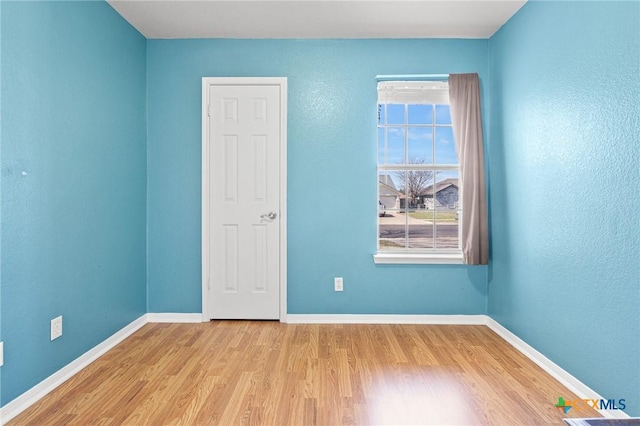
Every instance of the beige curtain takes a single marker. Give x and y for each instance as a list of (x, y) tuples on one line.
[(464, 96)]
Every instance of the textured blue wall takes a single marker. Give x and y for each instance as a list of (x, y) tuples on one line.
[(73, 182), (331, 171), (0, 190), (564, 158)]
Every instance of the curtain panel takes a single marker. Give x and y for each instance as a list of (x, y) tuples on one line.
[(466, 117)]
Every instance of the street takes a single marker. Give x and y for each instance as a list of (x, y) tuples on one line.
[(420, 235)]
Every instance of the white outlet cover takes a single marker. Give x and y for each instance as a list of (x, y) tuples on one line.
[(1, 354), (56, 327)]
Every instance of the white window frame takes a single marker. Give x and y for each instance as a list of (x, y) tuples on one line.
[(415, 92)]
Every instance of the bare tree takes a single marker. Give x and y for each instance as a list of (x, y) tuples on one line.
[(414, 183)]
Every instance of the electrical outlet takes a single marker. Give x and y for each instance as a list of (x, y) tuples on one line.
[(1, 354), (338, 284), (56, 327)]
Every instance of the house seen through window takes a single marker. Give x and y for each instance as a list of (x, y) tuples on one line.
[(418, 170)]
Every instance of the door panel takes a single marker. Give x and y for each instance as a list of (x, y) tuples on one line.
[(244, 199)]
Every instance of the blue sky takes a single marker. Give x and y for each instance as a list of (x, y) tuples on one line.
[(420, 135)]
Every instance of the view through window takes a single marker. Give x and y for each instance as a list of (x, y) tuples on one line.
[(418, 170)]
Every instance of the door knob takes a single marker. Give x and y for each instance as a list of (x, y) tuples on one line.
[(270, 215)]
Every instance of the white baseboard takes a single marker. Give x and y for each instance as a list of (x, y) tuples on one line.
[(386, 319), (174, 317), (573, 384), (30, 397)]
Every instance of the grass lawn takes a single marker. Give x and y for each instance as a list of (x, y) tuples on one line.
[(390, 244), (440, 215)]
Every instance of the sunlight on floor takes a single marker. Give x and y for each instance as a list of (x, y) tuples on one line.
[(432, 400)]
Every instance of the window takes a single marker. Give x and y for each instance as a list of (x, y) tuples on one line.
[(419, 201)]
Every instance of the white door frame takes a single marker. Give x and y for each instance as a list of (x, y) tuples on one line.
[(281, 82)]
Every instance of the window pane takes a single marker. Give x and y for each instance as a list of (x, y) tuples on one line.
[(395, 145), (447, 214), (446, 190), (392, 219), (427, 198), (446, 235), (420, 145), (394, 182), (392, 231), (417, 184), (420, 114), (380, 145), (389, 188), (445, 146), (391, 236), (395, 113), (420, 228), (381, 113), (443, 114)]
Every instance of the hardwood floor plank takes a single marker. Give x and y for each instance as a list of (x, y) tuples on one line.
[(268, 373)]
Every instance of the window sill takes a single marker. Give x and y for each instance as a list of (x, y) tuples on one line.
[(418, 259)]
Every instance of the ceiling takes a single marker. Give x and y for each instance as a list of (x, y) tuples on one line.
[(317, 18)]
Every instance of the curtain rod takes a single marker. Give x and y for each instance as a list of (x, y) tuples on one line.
[(411, 77)]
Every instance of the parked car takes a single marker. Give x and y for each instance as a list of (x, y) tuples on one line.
[(382, 209)]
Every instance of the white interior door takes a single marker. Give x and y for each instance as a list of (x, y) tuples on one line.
[(244, 201)]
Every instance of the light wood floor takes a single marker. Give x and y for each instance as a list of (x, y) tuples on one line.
[(268, 373)]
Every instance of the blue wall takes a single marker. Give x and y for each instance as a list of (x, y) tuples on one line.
[(331, 162), (564, 158), (73, 182), (1, 191)]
